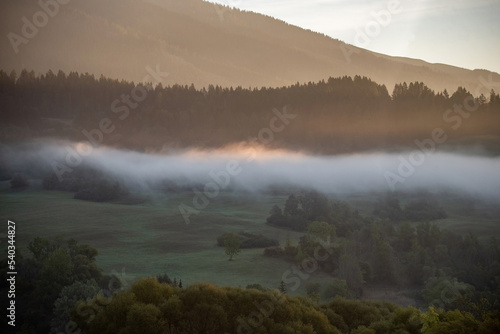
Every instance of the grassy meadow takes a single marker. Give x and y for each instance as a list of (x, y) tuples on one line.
[(152, 238)]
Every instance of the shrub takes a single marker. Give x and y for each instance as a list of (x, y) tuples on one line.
[(102, 192), (337, 287), (274, 251), (19, 181), (250, 240), (423, 210)]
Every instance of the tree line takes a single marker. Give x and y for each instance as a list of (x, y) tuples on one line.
[(59, 288), (335, 115), (394, 246), (152, 307)]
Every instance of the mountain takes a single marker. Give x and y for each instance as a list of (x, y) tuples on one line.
[(196, 42)]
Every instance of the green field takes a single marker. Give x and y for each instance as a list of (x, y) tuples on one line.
[(152, 238)]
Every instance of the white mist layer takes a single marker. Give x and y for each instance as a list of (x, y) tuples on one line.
[(257, 169)]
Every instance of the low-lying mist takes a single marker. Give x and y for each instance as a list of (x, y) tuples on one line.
[(256, 169)]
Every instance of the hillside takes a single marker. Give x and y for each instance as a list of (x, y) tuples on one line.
[(340, 115), (201, 43)]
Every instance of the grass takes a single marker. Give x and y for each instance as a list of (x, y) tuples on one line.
[(152, 238)]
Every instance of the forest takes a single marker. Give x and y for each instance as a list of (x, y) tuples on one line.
[(250, 167), (338, 115), (452, 278), (434, 262), (60, 289)]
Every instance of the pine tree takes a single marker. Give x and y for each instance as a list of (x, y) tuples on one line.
[(180, 283), (282, 287)]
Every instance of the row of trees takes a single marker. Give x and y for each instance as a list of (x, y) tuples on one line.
[(151, 307), (60, 289), (248, 240), (338, 114), (450, 270), (299, 211), (421, 209), (87, 184)]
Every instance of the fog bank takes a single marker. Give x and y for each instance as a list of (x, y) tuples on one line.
[(256, 169)]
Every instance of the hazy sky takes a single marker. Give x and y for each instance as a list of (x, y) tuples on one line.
[(463, 33)]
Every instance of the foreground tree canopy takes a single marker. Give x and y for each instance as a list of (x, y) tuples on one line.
[(61, 290), (56, 275), (152, 307)]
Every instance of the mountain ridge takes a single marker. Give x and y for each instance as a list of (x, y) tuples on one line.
[(204, 43)]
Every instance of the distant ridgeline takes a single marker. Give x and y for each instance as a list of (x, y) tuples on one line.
[(334, 116)]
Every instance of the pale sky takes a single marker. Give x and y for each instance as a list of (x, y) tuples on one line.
[(464, 33)]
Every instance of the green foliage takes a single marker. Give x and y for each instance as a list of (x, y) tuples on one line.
[(19, 181), (274, 251), (428, 235), (103, 191), (349, 270), (389, 208), (164, 278), (56, 273), (232, 245), (249, 240), (275, 211), (315, 206), (438, 321), (383, 268), (87, 184), (144, 318), (201, 308), (41, 248), (337, 287), (282, 287), (444, 291), (257, 287), (68, 298), (353, 316), (322, 232), (405, 237), (416, 210), (345, 218), (300, 211), (291, 207), (313, 288), (423, 210), (378, 251), (48, 285)]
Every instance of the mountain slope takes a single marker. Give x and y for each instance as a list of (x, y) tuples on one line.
[(201, 43)]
